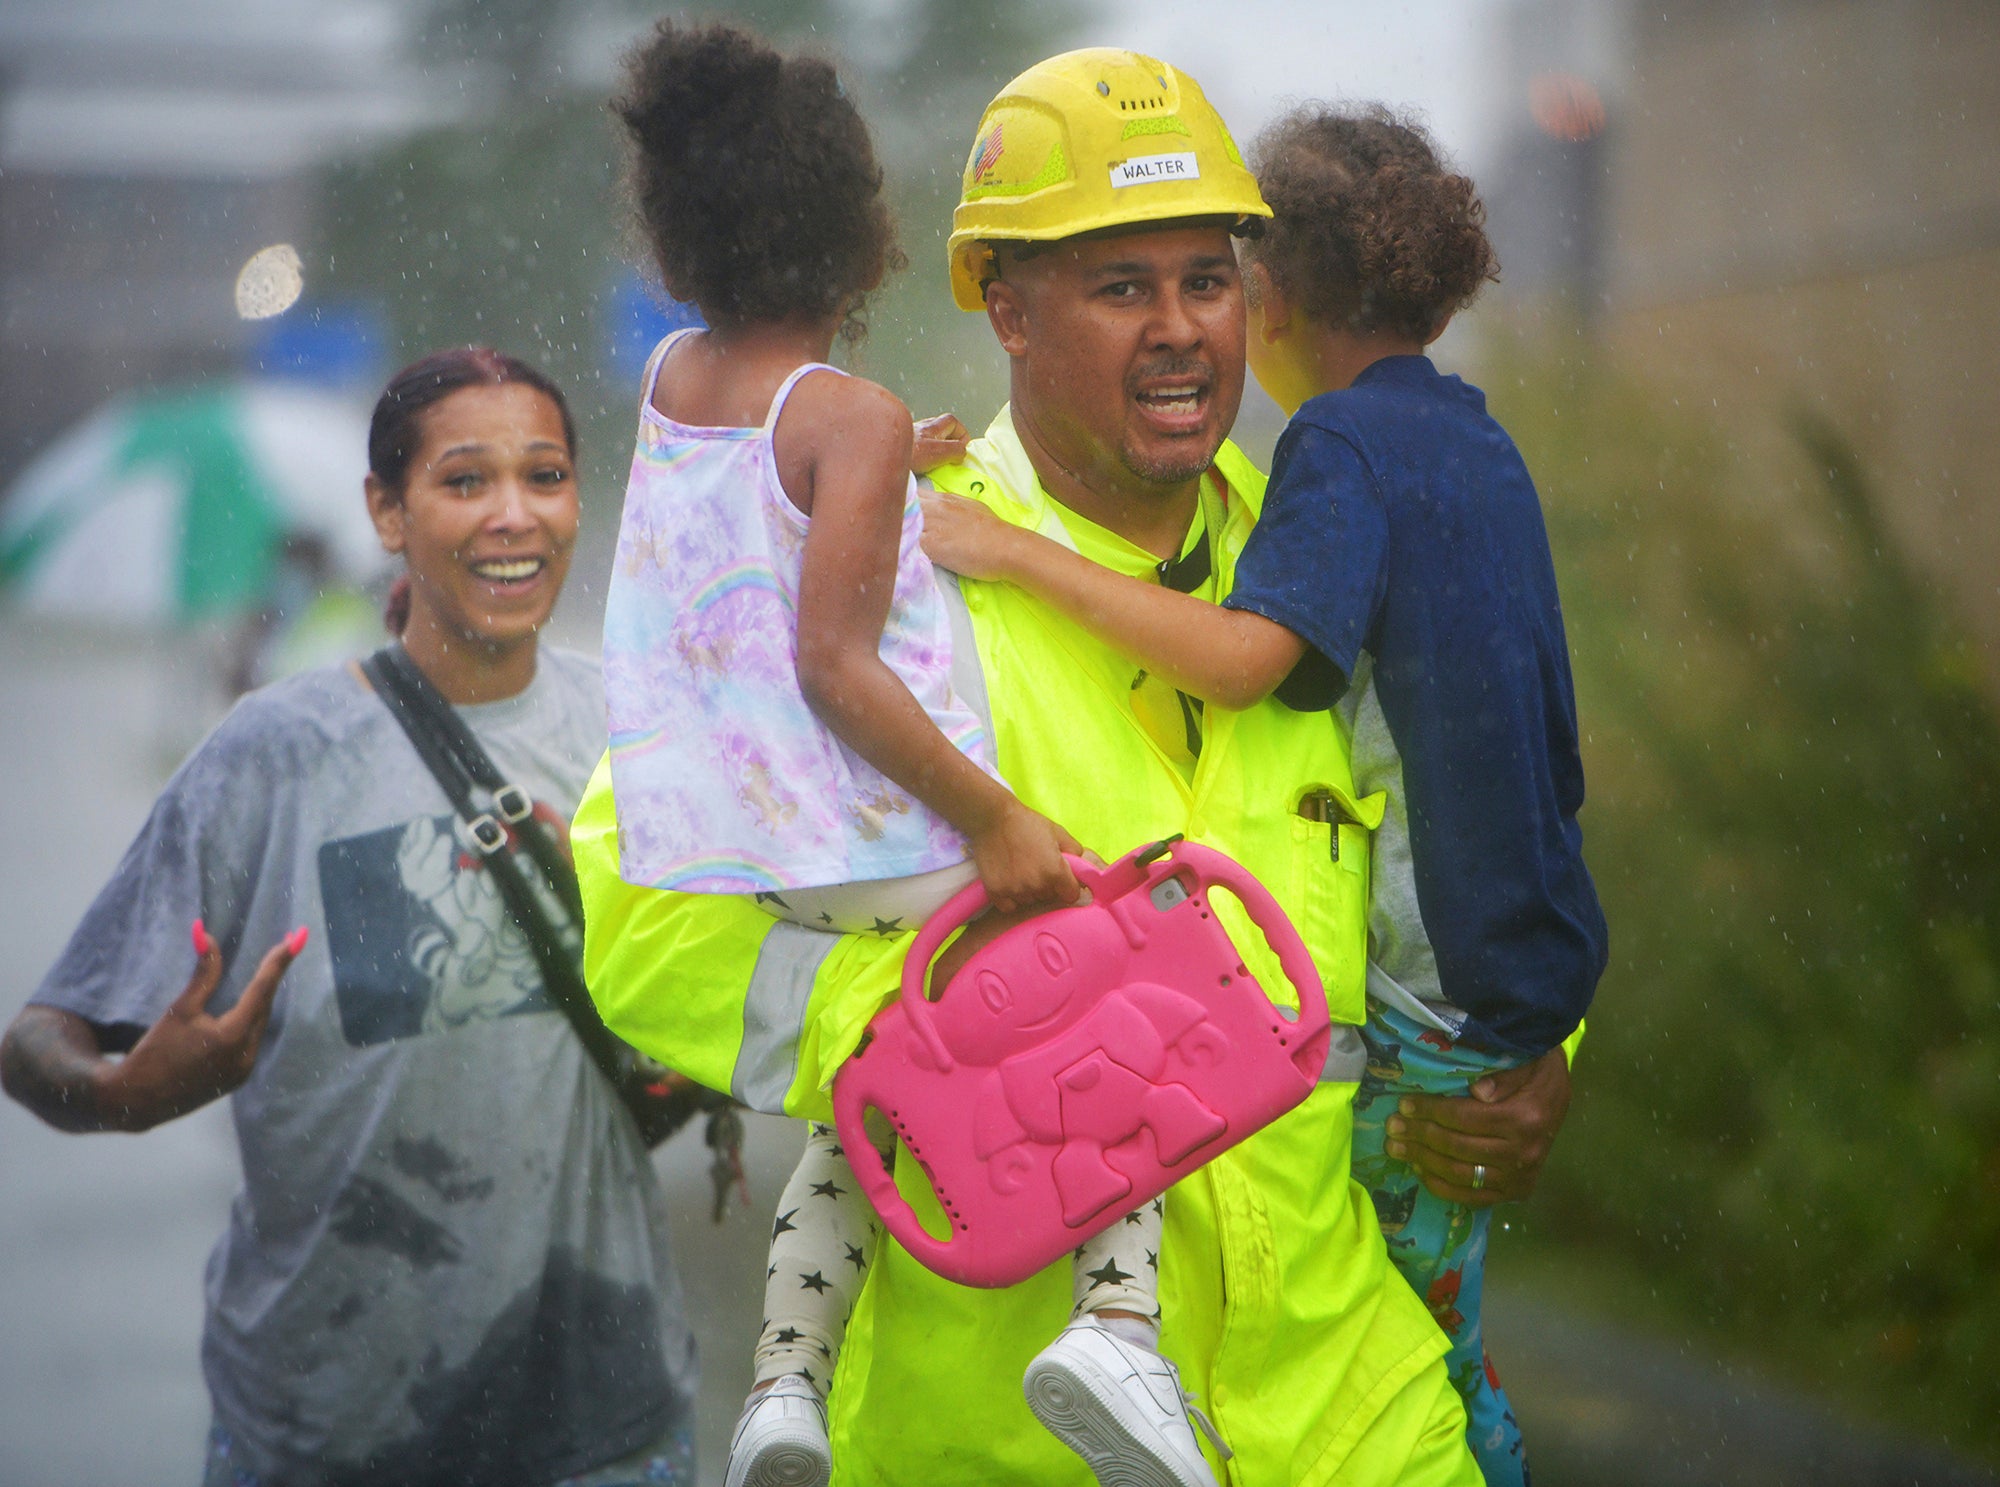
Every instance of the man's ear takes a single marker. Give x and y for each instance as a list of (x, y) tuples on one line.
[(386, 510), (1007, 313)]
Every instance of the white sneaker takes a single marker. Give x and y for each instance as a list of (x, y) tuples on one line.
[(780, 1438), (1118, 1406)]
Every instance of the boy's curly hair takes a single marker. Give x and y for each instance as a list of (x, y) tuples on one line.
[(1372, 230), (754, 178)]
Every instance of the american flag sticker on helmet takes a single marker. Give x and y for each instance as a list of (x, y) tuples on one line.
[(987, 153)]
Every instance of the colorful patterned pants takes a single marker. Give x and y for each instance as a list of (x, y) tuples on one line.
[(1439, 1247)]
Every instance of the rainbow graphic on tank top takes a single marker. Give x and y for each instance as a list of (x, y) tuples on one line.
[(725, 780)]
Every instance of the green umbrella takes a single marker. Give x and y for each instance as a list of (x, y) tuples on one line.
[(171, 507)]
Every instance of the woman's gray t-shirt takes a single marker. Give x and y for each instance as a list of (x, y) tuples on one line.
[(449, 1257)]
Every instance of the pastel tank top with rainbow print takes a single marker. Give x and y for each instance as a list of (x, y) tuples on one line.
[(725, 780)]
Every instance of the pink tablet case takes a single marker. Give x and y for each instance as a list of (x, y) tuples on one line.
[(1081, 1063)]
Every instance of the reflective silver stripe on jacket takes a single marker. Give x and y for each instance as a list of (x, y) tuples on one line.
[(774, 1014), (774, 1009), (1346, 1056)]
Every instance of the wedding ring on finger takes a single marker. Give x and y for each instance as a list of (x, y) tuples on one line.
[(1478, 1175)]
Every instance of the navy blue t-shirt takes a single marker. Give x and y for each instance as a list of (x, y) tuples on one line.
[(1402, 539)]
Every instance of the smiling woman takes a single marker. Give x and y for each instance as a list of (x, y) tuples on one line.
[(472, 479), (449, 1262)]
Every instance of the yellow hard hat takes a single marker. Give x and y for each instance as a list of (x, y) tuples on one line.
[(1092, 139)]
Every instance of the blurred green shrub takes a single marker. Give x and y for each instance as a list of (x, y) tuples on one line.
[(1788, 1109)]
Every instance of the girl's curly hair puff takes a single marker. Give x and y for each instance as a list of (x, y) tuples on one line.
[(753, 178), (1372, 230)]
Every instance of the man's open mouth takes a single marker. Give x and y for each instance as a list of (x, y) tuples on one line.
[(1175, 407), (1184, 400)]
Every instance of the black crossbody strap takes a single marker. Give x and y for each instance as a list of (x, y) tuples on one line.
[(455, 757), (512, 806)]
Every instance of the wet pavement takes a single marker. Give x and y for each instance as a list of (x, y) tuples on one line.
[(103, 1239), (1601, 1405)]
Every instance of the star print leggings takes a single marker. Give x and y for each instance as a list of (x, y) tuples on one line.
[(1438, 1246), (824, 1241)]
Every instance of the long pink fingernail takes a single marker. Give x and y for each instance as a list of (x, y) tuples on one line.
[(296, 941), (202, 943)]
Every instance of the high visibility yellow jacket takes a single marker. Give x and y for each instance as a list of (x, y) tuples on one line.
[(1313, 1357)]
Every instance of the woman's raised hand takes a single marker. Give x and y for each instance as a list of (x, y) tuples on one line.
[(189, 1057)]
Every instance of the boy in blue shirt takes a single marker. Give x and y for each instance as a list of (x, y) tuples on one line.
[(1400, 573)]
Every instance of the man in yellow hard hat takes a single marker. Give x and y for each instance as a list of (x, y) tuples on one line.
[(1100, 195)]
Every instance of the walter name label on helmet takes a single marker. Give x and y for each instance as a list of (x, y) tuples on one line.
[(1149, 169)]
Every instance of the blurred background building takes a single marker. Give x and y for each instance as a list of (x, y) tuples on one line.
[(146, 152), (1787, 212), (1806, 212)]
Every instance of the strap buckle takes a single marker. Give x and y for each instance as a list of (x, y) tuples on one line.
[(485, 834), (513, 803)]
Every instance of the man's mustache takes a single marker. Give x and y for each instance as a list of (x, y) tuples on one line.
[(1164, 368)]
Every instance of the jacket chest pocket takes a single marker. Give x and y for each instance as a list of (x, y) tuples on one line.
[(1329, 900)]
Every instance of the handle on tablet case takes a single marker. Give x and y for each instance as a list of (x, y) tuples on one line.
[(1138, 868)]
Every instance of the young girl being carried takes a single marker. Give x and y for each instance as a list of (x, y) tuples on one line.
[(777, 669)]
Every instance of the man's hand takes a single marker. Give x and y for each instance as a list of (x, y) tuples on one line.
[(940, 440), (1507, 1124), (188, 1057)]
